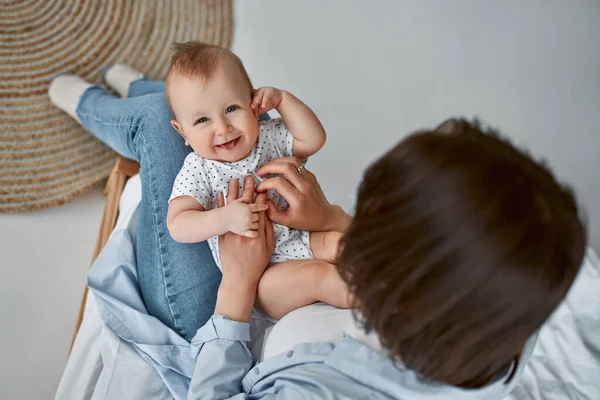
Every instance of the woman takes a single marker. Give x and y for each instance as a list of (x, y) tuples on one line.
[(460, 248)]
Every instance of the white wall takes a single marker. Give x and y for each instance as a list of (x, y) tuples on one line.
[(44, 258), (376, 70)]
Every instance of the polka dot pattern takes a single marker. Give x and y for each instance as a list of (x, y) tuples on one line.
[(203, 179)]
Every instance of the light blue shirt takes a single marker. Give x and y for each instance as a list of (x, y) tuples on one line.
[(218, 363), (346, 370)]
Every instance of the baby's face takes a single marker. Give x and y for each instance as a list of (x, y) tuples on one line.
[(214, 116)]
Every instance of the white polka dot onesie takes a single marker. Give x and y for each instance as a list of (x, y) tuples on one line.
[(203, 179)]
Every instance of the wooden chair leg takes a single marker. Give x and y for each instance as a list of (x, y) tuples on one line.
[(122, 170)]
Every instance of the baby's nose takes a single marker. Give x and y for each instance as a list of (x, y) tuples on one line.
[(224, 128)]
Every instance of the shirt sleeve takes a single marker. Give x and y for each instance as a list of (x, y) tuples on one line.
[(225, 369), (279, 135), (192, 180), (223, 359)]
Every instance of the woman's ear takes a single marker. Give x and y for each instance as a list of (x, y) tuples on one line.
[(179, 129)]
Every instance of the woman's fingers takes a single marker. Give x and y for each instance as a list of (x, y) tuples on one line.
[(269, 234), (277, 165), (261, 199), (288, 167), (220, 200), (275, 215), (232, 190), (280, 185), (248, 191)]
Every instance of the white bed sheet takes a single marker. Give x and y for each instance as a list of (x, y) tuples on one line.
[(565, 363)]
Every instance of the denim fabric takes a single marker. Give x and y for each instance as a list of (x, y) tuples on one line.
[(145, 86), (178, 281)]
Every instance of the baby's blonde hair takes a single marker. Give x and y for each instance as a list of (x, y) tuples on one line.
[(199, 59)]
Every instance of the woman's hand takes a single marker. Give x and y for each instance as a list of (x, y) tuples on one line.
[(243, 259), (308, 208)]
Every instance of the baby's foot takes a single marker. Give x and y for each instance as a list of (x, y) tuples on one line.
[(65, 92), (119, 77)]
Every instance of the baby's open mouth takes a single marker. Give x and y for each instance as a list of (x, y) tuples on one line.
[(228, 146)]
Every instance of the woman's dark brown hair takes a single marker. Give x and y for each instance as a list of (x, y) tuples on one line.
[(460, 248)]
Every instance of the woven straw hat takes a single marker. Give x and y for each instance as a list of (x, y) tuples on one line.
[(46, 158)]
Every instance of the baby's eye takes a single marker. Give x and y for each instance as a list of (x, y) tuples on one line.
[(231, 109), (201, 120)]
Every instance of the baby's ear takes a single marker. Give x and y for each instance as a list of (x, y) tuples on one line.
[(178, 128)]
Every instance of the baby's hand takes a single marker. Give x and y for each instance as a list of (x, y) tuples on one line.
[(243, 217), (265, 99)]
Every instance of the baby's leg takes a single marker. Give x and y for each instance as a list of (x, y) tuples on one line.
[(325, 245), (143, 86), (289, 285)]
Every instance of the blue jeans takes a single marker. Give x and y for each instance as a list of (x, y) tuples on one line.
[(179, 282)]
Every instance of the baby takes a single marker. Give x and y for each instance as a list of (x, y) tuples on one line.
[(216, 110)]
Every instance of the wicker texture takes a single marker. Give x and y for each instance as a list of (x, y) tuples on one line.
[(46, 158)]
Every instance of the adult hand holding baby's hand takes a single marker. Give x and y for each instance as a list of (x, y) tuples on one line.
[(243, 260), (242, 214), (265, 99)]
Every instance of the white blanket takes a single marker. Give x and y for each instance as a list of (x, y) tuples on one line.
[(565, 363)]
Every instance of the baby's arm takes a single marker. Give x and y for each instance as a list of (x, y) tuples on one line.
[(306, 129), (189, 222)]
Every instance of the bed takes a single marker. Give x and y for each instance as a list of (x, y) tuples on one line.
[(565, 363)]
